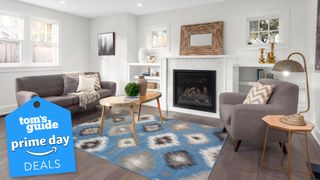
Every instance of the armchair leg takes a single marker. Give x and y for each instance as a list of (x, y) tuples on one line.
[(224, 130), (237, 146), (283, 148)]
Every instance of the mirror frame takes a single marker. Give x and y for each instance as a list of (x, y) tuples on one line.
[(214, 28)]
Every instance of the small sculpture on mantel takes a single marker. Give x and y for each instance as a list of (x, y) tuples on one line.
[(262, 59)]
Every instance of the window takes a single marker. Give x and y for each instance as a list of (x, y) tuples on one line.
[(158, 38), (28, 41), (11, 38), (44, 41), (264, 31)]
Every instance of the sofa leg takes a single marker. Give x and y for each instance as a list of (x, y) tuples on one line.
[(237, 146), (224, 130), (283, 149)]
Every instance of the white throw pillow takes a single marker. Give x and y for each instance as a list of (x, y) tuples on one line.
[(86, 84)]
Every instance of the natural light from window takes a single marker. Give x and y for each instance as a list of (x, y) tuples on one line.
[(34, 44), (264, 31), (11, 37), (44, 41)]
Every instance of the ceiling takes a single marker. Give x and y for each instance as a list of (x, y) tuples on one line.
[(99, 8)]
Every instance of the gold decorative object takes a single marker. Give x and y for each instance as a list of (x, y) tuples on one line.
[(262, 59), (271, 57), (151, 59), (294, 66)]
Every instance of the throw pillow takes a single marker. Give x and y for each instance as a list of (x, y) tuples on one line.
[(97, 85), (70, 85), (71, 82), (86, 84), (259, 94)]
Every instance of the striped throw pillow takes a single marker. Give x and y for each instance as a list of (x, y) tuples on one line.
[(259, 94)]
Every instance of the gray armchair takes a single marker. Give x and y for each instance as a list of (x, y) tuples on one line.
[(244, 121)]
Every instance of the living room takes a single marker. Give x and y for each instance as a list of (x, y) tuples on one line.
[(146, 61)]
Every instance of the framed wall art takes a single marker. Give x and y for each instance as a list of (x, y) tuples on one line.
[(106, 44), (202, 39)]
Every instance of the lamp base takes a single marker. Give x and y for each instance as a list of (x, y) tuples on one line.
[(293, 120)]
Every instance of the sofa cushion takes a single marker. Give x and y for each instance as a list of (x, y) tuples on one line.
[(63, 101), (104, 93), (226, 112), (44, 86)]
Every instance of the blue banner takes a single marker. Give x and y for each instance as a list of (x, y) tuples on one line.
[(39, 139)]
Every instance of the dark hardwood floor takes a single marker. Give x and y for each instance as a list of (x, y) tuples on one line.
[(242, 165)]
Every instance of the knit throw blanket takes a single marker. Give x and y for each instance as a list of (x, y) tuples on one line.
[(86, 98)]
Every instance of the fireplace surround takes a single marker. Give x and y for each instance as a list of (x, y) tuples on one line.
[(194, 89)]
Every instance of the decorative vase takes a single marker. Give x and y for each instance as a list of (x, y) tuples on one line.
[(143, 85), (143, 53)]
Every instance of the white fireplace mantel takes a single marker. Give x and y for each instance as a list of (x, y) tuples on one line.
[(222, 64)]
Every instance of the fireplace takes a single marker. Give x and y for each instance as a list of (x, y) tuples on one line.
[(194, 89)]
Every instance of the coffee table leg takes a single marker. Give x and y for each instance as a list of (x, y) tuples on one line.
[(159, 109), (102, 118), (133, 126), (139, 113)]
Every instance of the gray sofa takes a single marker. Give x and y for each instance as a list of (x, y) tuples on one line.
[(51, 87), (244, 121)]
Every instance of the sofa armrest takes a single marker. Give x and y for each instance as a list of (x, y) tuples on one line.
[(24, 96), (232, 98), (109, 85)]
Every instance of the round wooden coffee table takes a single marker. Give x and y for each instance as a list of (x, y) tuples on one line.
[(123, 100)]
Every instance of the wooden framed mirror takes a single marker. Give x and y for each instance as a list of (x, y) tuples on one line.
[(202, 39)]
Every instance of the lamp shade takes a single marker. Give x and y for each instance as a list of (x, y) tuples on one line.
[(288, 65)]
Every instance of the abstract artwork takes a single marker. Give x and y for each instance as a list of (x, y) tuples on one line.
[(106, 44)]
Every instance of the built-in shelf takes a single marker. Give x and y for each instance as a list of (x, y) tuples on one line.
[(150, 78), (257, 65), (144, 64)]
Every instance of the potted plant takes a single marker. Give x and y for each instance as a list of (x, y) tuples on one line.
[(132, 89)]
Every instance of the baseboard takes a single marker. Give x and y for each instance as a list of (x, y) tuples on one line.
[(7, 109), (316, 134)]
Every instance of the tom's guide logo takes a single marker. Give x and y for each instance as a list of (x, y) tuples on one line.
[(39, 139)]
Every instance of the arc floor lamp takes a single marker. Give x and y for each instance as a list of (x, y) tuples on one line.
[(287, 66)]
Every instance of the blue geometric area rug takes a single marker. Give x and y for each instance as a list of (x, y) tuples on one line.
[(174, 150)]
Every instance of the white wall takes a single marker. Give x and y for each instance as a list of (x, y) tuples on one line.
[(315, 76), (234, 14), (114, 68), (74, 48)]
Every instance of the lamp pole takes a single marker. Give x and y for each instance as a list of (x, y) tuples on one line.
[(307, 81)]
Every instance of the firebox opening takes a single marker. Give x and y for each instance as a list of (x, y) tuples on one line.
[(195, 89)]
